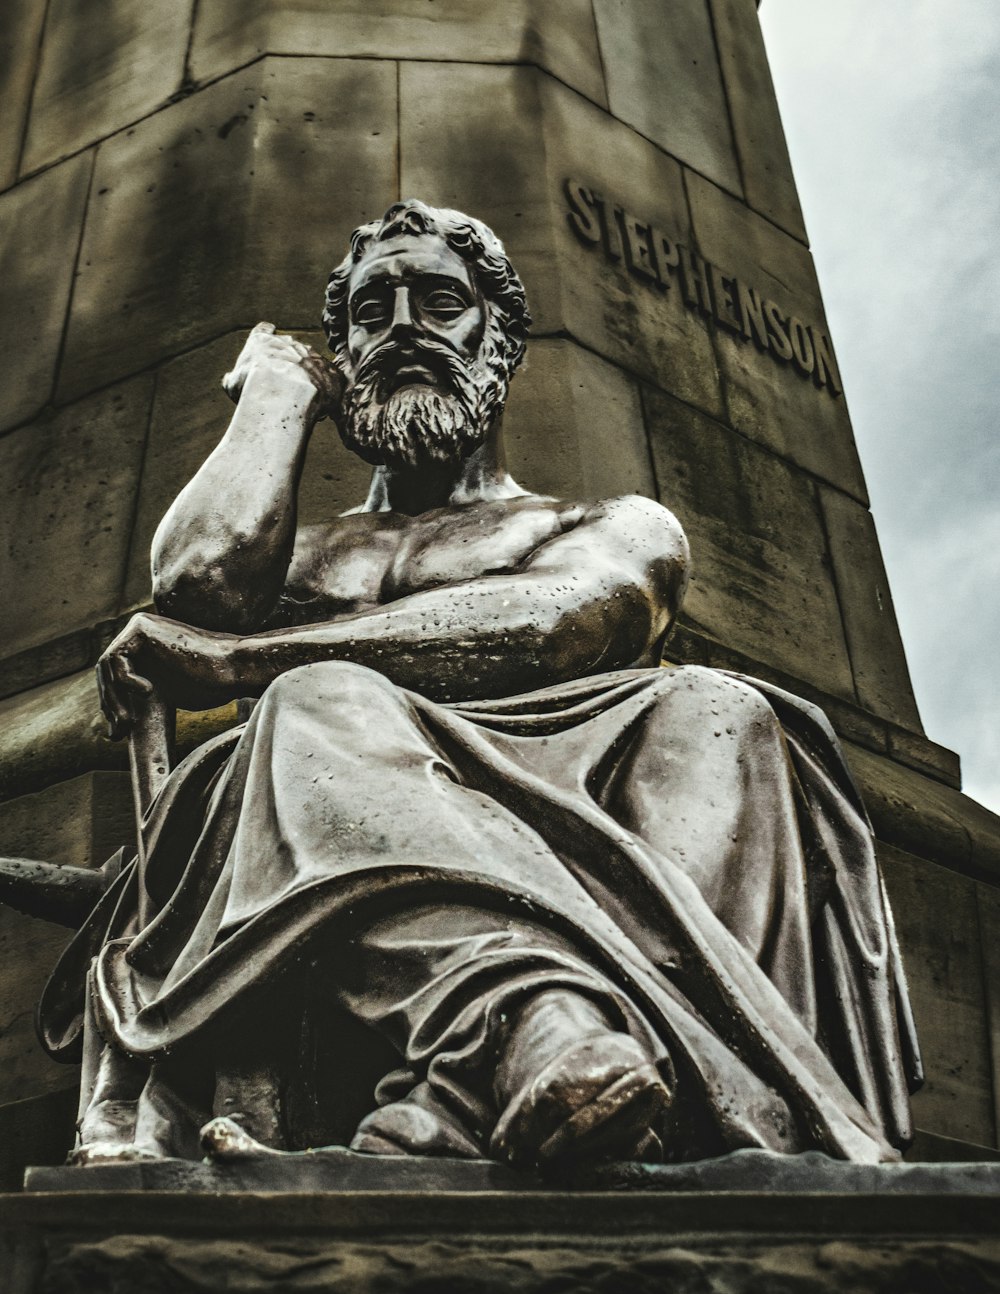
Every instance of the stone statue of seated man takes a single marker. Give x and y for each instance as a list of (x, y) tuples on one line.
[(477, 877)]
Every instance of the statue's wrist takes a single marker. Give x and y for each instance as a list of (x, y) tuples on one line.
[(284, 390)]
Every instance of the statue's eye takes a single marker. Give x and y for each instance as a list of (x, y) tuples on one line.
[(444, 304), (370, 313)]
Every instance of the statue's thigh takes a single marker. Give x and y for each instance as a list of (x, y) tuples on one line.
[(705, 780)]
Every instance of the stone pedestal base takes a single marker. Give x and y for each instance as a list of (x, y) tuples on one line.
[(800, 1227)]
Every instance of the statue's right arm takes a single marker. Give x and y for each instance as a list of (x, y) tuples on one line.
[(221, 553)]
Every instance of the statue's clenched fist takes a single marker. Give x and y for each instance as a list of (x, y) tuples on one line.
[(186, 667), (283, 363)]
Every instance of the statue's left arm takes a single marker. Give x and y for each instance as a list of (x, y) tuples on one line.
[(598, 597)]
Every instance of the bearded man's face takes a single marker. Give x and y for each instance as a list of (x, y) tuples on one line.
[(425, 381)]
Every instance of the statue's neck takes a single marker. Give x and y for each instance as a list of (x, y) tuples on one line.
[(480, 477)]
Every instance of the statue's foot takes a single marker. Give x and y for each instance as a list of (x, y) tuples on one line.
[(108, 1135), (417, 1124), (598, 1101), (223, 1140)]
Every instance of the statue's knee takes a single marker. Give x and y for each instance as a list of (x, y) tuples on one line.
[(702, 697), (334, 680)]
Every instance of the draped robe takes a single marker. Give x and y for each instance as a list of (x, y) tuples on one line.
[(684, 845)]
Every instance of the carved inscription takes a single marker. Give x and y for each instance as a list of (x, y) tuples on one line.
[(655, 257)]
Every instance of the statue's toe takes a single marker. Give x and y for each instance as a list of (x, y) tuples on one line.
[(223, 1139), (600, 1100)]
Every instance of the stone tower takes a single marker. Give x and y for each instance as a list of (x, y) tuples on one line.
[(175, 170)]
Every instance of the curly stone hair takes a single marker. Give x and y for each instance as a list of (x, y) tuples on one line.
[(502, 289)]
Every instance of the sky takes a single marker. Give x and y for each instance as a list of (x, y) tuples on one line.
[(892, 113)]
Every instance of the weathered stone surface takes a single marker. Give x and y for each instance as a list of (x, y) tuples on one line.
[(57, 731), (54, 658), (68, 492), (41, 221), (761, 581), (925, 756), (80, 823), (769, 400), (22, 30), (98, 75), (77, 823), (936, 919), (54, 732), (988, 902), (926, 817), (557, 35), (765, 168), (471, 137), (494, 1243), (231, 203), (192, 1266), (929, 1148), (574, 428), (628, 320), (29, 949), (663, 79), (501, 142), (37, 1130), (983, 826), (190, 415), (335, 1168), (877, 657)]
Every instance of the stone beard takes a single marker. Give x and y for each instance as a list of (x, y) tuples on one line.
[(407, 423)]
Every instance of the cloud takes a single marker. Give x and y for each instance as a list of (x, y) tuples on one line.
[(893, 117)]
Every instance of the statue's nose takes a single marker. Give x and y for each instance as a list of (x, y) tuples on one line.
[(402, 317)]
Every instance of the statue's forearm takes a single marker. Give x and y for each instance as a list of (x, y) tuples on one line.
[(494, 637), (221, 553)]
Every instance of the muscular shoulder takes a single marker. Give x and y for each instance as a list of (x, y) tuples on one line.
[(648, 535), (638, 519), (625, 542), (633, 532)]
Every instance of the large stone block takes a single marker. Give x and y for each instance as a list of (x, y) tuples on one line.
[(405, 1241), (765, 167), (925, 817), (988, 900), (472, 137), (81, 823), (771, 399), (574, 428), (100, 72), (41, 221), (935, 913), (36, 1130), (877, 657), (22, 30), (68, 488), (190, 415), (501, 143), (663, 77), (77, 823), (233, 202), (558, 35), (761, 579), (54, 732)]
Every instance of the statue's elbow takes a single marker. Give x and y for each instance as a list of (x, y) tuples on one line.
[(202, 596)]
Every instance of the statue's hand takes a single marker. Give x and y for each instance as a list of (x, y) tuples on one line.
[(285, 363), (186, 667)]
